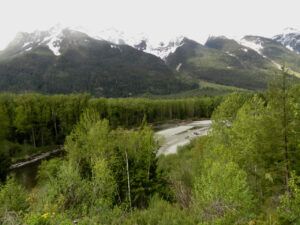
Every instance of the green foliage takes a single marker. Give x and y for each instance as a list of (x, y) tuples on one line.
[(47, 219), (181, 169), (13, 197), (49, 169), (222, 195), (103, 168), (129, 155), (87, 142), (104, 184), (67, 190), (228, 109), (289, 208), (261, 135), (137, 154), (4, 162), (240, 173), (206, 89), (160, 212), (4, 123)]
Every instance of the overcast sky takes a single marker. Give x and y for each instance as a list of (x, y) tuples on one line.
[(163, 19)]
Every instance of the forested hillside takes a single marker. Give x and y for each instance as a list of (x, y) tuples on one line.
[(223, 61)]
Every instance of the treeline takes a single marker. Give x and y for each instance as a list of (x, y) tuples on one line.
[(42, 120)]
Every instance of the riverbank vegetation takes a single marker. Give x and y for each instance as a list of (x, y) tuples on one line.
[(246, 171), (35, 123)]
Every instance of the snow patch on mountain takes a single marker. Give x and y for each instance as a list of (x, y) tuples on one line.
[(277, 65), (290, 30), (164, 49), (232, 55), (289, 48), (54, 39), (28, 49), (256, 45), (140, 41), (26, 44), (54, 45), (178, 67), (290, 38)]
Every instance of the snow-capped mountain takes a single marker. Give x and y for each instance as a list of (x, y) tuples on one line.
[(290, 38), (163, 49), (53, 38), (252, 42), (140, 41), (277, 50), (64, 60), (113, 63), (25, 42)]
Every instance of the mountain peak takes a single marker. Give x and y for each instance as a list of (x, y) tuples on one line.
[(253, 43), (290, 30), (53, 37), (57, 28), (140, 41), (290, 38), (222, 37)]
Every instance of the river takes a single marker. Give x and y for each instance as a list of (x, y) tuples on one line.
[(27, 174), (181, 134)]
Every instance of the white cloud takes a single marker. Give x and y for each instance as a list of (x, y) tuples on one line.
[(159, 18)]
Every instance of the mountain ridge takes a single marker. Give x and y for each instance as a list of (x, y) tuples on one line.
[(66, 60), (141, 41), (84, 64)]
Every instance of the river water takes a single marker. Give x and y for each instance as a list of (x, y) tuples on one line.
[(27, 174), (181, 134)]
